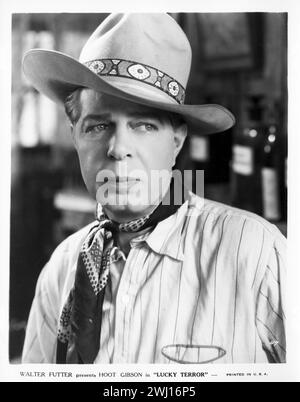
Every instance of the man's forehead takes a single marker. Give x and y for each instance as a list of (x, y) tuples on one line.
[(92, 101), (96, 102)]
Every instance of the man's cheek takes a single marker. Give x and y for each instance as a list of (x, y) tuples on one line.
[(88, 174), (162, 162)]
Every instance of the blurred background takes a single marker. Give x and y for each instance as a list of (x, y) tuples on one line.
[(239, 61)]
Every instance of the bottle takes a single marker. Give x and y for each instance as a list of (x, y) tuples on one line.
[(270, 175), (199, 154), (199, 148), (245, 165)]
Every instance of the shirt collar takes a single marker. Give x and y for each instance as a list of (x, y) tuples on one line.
[(166, 238)]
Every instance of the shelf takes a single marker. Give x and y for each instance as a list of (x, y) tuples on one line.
[(75, 201)]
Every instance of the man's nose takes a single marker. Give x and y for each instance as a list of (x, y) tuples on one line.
[(119, 146)]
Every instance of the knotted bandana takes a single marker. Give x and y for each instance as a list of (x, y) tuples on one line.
[(79, 329)]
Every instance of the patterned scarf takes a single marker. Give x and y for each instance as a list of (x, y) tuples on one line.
[(78, 338)]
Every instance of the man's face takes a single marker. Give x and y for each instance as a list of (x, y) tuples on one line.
[(120, 145)]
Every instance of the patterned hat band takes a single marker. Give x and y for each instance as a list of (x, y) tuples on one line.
[(139, 72)]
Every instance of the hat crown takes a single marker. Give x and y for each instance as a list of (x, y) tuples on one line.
[(155, 40)]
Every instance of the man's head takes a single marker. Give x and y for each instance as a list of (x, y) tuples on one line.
[(123, 147), (143, 58), (134, 68)]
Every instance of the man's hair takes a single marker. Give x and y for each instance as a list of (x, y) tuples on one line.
[(73, 111), (73, 106)]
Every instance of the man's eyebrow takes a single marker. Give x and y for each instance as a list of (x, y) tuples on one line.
[(95, 116)]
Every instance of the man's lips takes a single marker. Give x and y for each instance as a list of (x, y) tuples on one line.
[(120, 184), (120, 180)]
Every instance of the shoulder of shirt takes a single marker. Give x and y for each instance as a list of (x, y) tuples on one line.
[(73, 242), (64, 258), (62, 263), (238, 216)]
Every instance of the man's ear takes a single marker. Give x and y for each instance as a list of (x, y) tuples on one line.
[(180, 134)]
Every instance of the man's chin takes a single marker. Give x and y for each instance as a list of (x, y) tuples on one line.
[(124, 200), (125, 213)]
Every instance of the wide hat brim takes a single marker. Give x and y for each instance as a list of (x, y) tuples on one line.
[(56, 75)]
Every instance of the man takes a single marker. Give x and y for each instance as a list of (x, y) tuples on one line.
[(150, 281)]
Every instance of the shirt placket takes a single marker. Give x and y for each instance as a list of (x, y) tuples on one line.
[(124, 307)]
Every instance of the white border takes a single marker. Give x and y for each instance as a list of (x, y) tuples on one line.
[(285, 372)]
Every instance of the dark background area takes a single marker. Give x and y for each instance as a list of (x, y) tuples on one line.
[(239, 61)]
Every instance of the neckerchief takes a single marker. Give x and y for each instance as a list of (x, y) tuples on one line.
[(78, 337)]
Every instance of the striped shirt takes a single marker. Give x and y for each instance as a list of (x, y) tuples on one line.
[(210, 275)]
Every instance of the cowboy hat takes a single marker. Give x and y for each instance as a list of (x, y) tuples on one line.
[(143, 58)]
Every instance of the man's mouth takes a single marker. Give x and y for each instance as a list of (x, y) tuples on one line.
[(119, 184), (120, 180)]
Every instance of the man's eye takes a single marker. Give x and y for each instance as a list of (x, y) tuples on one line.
[(97, 128), (150, 127), (146, 126)]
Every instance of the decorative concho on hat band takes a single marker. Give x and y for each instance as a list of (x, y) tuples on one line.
[(140, 72)]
